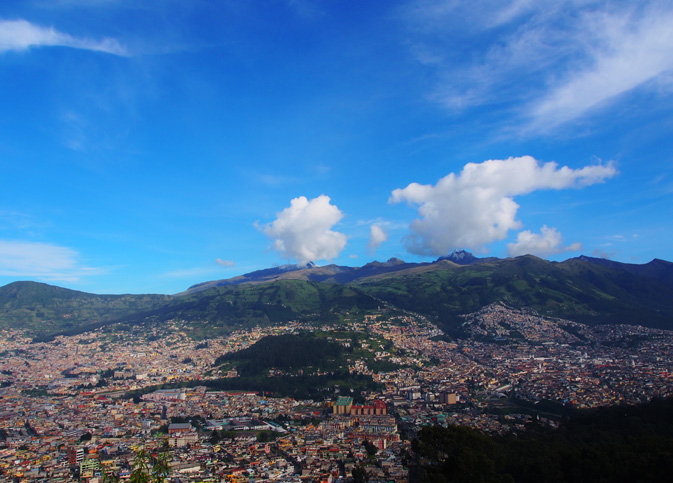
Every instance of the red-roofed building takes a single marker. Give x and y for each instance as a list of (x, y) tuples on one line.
[(378, 408)]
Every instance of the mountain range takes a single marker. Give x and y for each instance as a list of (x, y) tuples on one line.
[(336, 273), (584, 289)]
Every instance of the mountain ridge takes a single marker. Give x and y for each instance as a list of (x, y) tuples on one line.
[(334, 273), (582, 289)]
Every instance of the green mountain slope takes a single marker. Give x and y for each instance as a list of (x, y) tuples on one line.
[(574, 289), (44, 309), (263, 304), (577, 289)]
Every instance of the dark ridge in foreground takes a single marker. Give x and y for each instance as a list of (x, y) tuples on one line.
[(615, 444)]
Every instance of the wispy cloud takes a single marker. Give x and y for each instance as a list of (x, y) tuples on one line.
[(20, 35), (627, 50), (42, 261), (603, 254), (543, 63), (383, 223), (189, 272), (224, 263), (276, 179), (17, 220)]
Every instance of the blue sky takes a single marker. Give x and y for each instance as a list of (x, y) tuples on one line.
[(147, 148)]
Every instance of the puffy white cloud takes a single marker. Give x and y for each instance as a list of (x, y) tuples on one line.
[(476, 207), (22, 35), (42, 261), (548, 242), (303, 230), (376, 237)]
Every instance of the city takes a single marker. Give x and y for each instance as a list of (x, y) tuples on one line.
[(67, 410)]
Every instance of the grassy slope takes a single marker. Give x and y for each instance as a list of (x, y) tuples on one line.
[(278, 301), (43, 308), (575, 290), (46, 310)]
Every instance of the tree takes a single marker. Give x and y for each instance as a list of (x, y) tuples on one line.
[(455, 454), (370, 447), (360, 475), (145, 469)]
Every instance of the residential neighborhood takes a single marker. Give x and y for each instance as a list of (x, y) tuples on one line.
[(66, 413)]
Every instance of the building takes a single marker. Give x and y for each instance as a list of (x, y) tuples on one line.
[(178, 428), (343, 405), (75, 455), (448, 398), (179, 440), (377, 408)]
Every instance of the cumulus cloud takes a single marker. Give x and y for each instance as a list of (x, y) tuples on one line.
[(376, 237), (548, 242), (303, 230), (476, 207), (224, 263), (21, 35), (42, 261)]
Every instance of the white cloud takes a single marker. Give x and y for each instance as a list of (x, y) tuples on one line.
[(224, 263), (476, 207), (21, 35), (376, 237), (627, 49), (547, 63), (303, 230), (42, 261), (548, 242), (603, 254)]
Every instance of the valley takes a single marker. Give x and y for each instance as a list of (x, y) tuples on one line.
[(111, 391)]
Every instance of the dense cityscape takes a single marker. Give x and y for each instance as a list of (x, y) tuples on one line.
[(81, 407), (324, 241)]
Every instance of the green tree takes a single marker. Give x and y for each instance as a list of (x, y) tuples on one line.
[(145, 469), (360, 475), (456, 454)]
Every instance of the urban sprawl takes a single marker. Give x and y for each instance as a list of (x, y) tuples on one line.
[(64, 415)]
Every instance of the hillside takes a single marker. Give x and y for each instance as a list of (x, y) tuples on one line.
[(287, 352), (263, 304), (43, 309), (656, 269), (617, 444), (336, 273), (581, 289), (575, 290)]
